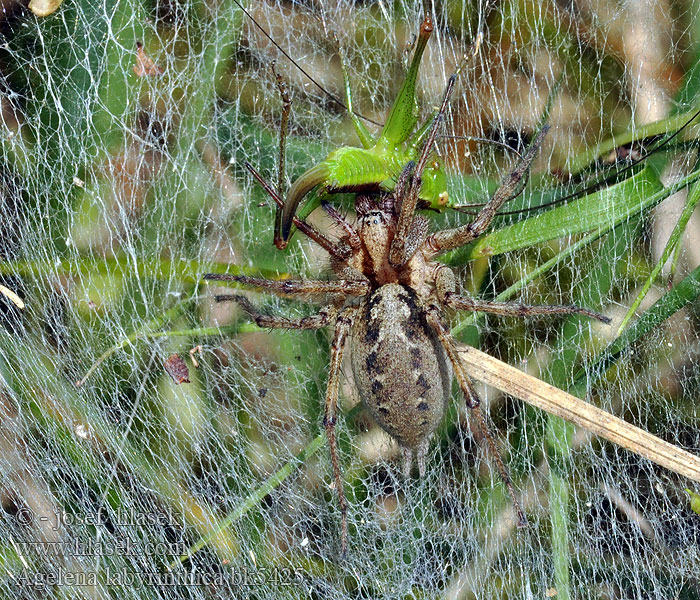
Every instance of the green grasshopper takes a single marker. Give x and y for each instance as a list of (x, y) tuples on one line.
[(377, 164)]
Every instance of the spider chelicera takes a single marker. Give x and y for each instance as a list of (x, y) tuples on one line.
[(387, 304)]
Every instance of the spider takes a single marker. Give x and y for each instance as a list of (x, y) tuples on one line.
[(388, 305)]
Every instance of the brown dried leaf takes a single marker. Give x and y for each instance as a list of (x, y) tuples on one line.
[(177, 369)]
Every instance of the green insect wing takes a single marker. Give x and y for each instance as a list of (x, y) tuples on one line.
[(350, 169)]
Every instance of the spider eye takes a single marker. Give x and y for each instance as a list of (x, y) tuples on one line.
[(374, 217)]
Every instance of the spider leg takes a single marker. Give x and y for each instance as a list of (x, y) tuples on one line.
[(408, 188), (342, 328), (296, 287), (444, 280), (517, 309), (353, 237), (317, 321), (449, 239), (473, 403)]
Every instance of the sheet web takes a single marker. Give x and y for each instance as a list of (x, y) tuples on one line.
[(123, 182)]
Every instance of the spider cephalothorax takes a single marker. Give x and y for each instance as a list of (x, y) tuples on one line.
[(370, 242), (388, 303)]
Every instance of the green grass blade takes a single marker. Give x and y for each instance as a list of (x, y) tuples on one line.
[(605, 208), (673, 242), (604, 148), (683, 293)]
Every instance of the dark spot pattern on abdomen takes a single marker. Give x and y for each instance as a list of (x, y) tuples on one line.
[(401, 370)]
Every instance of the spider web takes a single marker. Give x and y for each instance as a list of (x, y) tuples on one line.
[(123, 182)]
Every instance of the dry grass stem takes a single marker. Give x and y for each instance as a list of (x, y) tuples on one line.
[(512, 381)]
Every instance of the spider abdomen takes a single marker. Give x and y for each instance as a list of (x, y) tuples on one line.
[(401, 369)]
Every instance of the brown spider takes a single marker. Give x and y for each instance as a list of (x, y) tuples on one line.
[(388, 302)]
